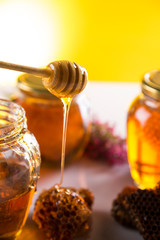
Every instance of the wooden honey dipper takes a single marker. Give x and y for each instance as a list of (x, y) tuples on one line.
[(61, 78)]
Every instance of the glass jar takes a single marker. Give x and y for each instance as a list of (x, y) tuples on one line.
[(44, 114), (143, 133), (19, 168)]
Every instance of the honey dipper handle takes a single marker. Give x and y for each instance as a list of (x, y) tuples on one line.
[(41, 72)]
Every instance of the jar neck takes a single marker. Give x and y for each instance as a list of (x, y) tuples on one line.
[(12, 121), (153, 103)]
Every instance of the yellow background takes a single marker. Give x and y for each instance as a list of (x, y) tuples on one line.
[(113, 40)]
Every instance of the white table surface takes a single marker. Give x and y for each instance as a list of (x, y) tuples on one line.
[(109, 102)]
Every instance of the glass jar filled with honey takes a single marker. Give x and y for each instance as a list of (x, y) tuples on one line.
[(44, 114), (19, 169), (143, 132)]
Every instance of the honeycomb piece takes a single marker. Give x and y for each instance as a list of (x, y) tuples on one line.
[(87, 195), (144, 206), (61, 213), (120, 210)]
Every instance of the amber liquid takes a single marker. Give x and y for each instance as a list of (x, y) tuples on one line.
[(15, 199), (66, 105), (143, 141), (51, 115)]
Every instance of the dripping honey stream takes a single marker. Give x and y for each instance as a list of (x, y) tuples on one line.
[(63, 79), (66, 106)]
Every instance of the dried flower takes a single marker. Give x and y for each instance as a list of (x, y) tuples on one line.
[(104, 145)]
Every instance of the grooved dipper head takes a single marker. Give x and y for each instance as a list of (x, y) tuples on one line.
[(67, 79)]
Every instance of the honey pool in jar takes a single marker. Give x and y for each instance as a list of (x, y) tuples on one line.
[(143, 133), (19, 169), (44, 114)]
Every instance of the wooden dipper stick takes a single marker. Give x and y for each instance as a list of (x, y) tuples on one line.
[(61, 78), (41, 72)]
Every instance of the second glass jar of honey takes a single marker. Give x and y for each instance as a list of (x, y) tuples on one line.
[(19, 169), (143, 133), (44, 114)]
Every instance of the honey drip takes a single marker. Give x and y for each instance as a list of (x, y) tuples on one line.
[(67, 80), (66, 105)]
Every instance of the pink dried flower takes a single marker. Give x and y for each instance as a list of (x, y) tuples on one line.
[(104, 145)]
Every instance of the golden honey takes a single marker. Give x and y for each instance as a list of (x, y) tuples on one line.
[(44, 114), (143, 133), (19, 169), (65, 197), (13, 212)]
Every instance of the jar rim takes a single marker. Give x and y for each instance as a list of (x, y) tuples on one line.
[(12, 120), (151, 84), (32, 85)]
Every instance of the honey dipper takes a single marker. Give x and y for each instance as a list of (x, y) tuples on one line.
[(61, 78)]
